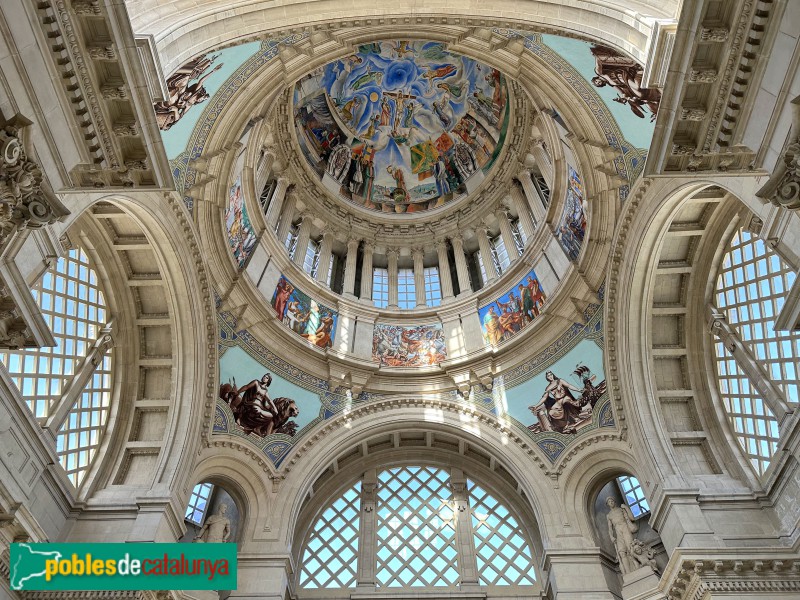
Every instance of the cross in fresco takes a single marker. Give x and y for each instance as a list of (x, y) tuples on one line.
[(399, 98)]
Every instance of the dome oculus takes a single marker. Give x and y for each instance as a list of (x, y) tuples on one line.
[(401, 126)]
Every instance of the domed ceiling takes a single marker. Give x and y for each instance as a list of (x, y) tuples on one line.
[(401, 126)]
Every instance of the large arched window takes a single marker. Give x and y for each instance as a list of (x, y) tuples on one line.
[(416, 527), (68, 386), (751, 289)]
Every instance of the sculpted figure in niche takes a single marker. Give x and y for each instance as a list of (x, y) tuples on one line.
[(256, 412), (632, 553), (216, 529)]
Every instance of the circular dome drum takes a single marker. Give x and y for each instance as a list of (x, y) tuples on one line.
[(402, 126)]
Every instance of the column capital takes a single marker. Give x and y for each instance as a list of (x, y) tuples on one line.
[(369, 246), (305, 215), (442, 243), (352, 243), (392, 252), (417, 253), (457, 238), (327, 235)]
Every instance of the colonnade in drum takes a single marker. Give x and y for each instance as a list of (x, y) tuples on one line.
[(527, 199)]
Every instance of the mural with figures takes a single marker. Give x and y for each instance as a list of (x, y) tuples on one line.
[(563, 397), (401, 126), (304, 315), (241, 235), (417, 346), (551, 399), (572, 225), (512, 311), (624, 76)]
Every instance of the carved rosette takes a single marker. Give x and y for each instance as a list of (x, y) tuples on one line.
[(22, 201)]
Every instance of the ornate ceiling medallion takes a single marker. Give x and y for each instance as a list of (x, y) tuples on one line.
[(401, 126)]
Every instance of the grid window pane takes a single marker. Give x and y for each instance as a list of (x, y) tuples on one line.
[(755, 426), (380, 287), (73, 306), (519, 235), (330, 557), (499, 254), (633, 494), (751, 289), (416, 528), (406, 291), (433, 288), (198, 503), (291, 240), (311, 261), (503, 554)]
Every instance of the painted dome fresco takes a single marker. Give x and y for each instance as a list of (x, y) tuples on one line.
[(401, 126)]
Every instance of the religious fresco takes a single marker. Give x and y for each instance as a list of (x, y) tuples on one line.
[(511, 312), (241, 235), (416, 346), (572, 225), (304, 315), (401, 126), (624, 75)]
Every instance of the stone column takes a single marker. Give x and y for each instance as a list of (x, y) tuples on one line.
[(263, 169), (366, 272), (393, 254), (462, 271), (445, 279), (532, 195), (324, 262), (350, 266), (286, 219), (543, 161), (507, 234), (303, 235), (419, 276), (464, 532), (274, 210), (520, 203), (368, 529), (486, 254)]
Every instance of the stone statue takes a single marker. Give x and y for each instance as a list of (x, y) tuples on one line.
[(632, 553), (216, 529)]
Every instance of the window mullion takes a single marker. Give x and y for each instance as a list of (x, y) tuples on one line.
[(368, 532), (75, 386), (749, 365), (465, 537)]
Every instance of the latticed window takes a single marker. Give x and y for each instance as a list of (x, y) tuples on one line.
[(291, 240), (413, 518), (755, 426), (330, 557), (311, 261), (751, 289), (503, 555), (433, 288), (380, 287), (406, 291), (634, 495), (198, 503), (416, 528), (73, 306), (519, 235), (499, 254)]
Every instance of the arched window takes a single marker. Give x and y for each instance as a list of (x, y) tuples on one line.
[(59, 382), (421, 525), (330, 558), (751, 289)]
